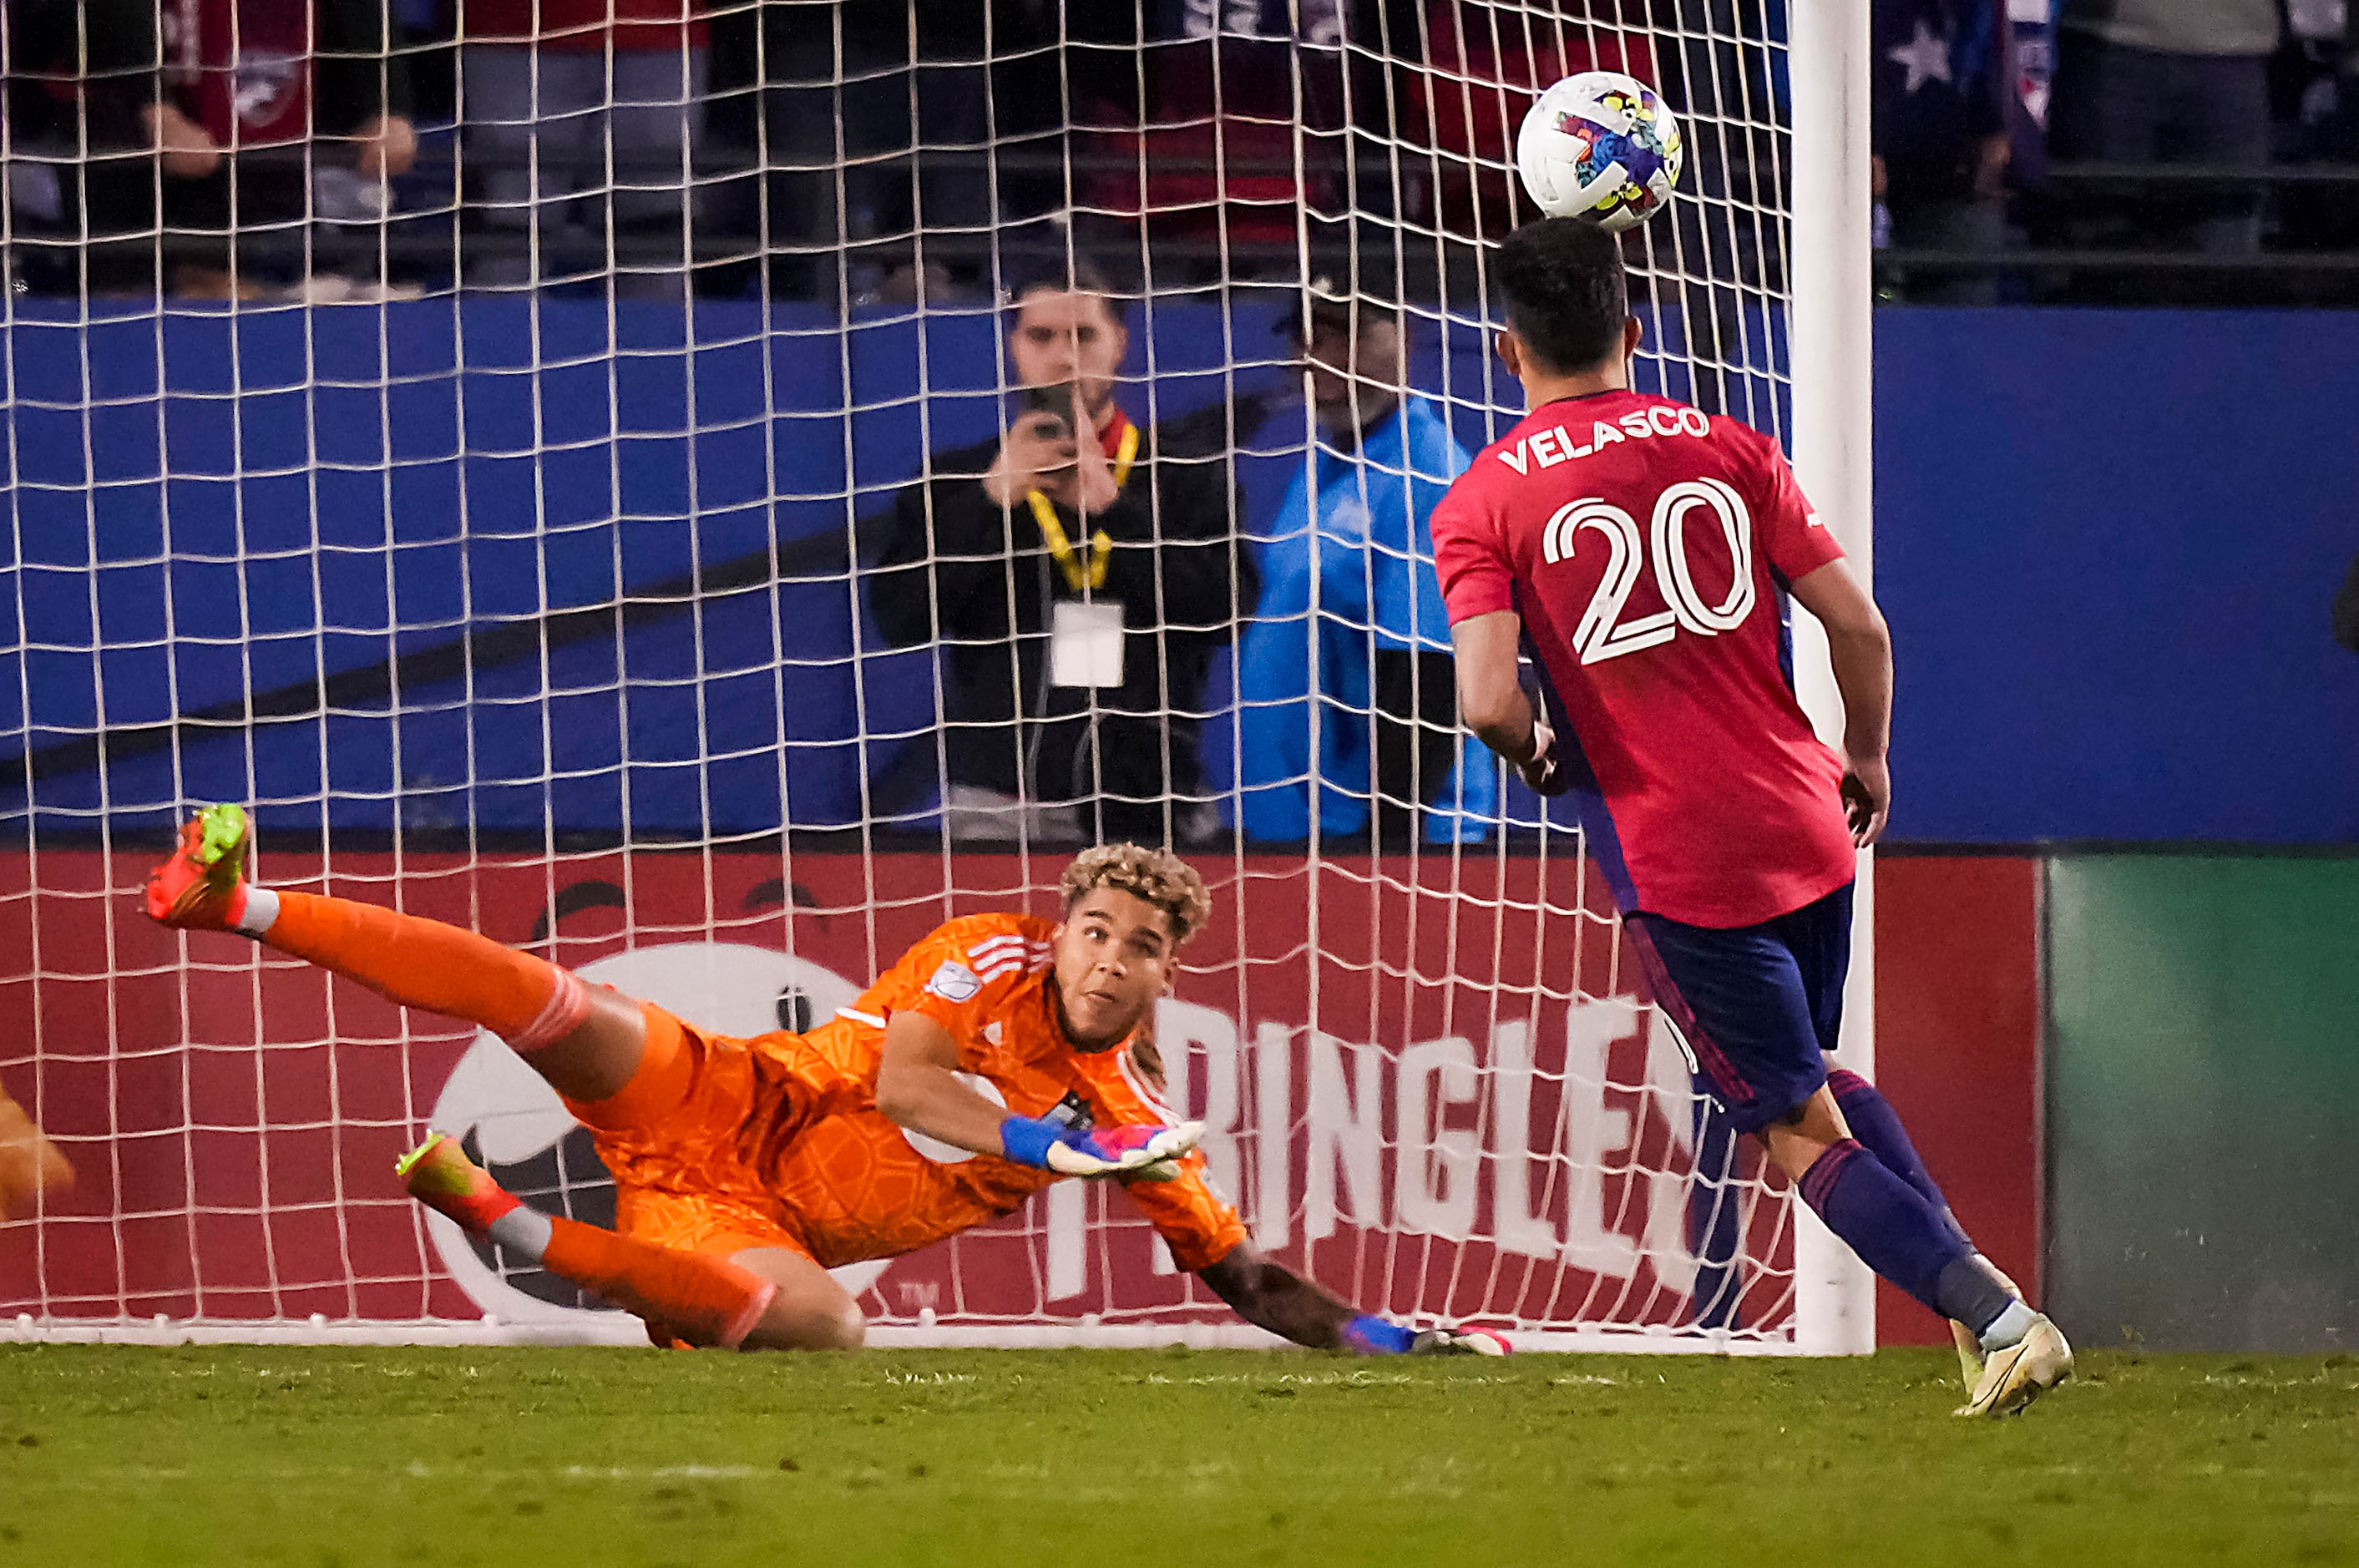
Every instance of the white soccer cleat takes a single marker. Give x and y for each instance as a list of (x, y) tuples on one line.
[(1970, 1344), (2013, 1377), (1970, 1354)]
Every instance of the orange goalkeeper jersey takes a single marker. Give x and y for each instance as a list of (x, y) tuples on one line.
[(784, 1128)]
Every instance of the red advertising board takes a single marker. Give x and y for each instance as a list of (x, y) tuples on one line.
[(233, 1117), (1434, 1086), (1957, 1051)]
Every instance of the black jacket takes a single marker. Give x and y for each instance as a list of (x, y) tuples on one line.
[(1928, 124), (959, 570)]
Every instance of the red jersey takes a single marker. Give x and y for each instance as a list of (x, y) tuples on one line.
[(242, 66), (1647, 548)]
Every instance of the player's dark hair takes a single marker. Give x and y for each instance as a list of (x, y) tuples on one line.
[(1071, 272), (1565, 292)]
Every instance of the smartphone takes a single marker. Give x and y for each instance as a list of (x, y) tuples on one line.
[(1057, 399)]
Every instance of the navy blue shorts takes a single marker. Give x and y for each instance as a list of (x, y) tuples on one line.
[(1758, 1006)]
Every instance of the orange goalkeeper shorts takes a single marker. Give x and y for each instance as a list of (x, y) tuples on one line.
[(680, 1137)]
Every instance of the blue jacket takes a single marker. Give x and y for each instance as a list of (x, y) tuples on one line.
[(1369, 584)]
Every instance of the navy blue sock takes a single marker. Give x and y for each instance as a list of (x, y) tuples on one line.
[(1876, 1124), (1900, 1236)]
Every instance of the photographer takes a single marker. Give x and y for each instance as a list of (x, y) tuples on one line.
[(1078, 581)]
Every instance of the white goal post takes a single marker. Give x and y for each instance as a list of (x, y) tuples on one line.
[(1834, 454), (519, 568)]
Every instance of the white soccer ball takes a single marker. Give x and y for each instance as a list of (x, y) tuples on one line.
[(1600, 145)]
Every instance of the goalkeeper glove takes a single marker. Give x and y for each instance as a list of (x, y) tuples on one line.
[(1371, 1335), (1135, 1152), (1452, 1340)]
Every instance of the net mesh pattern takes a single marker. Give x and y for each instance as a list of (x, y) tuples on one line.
[(494, 465)]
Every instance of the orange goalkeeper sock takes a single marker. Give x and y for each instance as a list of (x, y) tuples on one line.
[(701, 1298), (526, 1001)]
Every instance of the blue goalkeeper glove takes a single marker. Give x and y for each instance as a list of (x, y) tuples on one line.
[(1138, 1153)]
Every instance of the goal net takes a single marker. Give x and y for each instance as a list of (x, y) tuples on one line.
[(529, 542)]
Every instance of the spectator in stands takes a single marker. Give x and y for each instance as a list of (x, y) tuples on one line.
[(92, 138), (1351, 613), (250, 119), (1078, 581), (1940, 135), (879, 120), (2316, 84), (2168, 81), (1188, 116), (576, 111)]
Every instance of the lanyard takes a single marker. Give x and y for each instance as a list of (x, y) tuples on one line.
[(1081, 579)]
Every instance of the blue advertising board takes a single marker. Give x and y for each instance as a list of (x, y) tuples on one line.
[(540, 566)]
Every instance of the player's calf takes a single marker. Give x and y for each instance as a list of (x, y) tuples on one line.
[(1874, 1122), (809, 1310), (701, 1299), (1871, 1120), (1895, 1231)]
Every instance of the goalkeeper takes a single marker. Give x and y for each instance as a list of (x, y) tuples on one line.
[(746, 1169)]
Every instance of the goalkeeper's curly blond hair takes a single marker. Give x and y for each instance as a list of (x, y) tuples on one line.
[(1156, 876)]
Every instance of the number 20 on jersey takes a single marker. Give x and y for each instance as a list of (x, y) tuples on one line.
[(1603, 633)]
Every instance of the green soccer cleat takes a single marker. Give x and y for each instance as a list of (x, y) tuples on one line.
[(202, 886), (438, 1174)]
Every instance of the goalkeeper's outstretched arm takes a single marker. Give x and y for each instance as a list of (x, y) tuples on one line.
[(918, 1087), (1272, 1295)]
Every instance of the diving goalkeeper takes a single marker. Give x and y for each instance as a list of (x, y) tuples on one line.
[(744, 1169)]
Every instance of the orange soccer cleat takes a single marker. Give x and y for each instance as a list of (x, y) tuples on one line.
[(202, 886), (30, 1165)]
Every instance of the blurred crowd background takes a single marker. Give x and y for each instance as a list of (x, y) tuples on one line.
[(881, 151)]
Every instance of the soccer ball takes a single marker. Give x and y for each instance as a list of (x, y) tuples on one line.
[(1600, 145)]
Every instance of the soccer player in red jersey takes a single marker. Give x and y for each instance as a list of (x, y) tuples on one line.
[(1642, 551), (744, 1169)]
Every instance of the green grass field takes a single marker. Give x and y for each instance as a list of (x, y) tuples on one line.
[(318, 1456)]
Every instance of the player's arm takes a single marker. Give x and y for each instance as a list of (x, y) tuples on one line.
[(917, 1087), (1860, 646), (1488, 649), (1271, 1296)]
